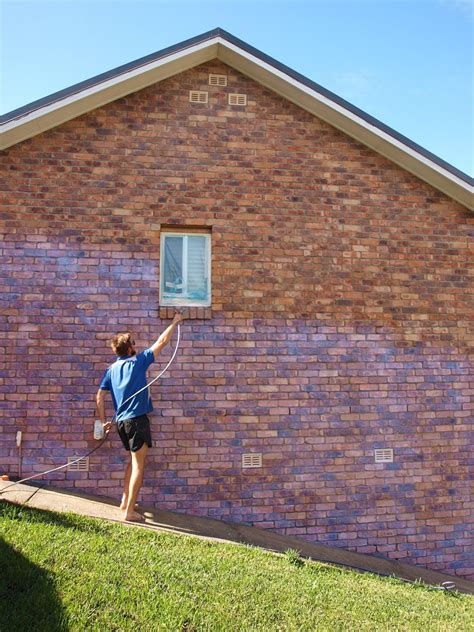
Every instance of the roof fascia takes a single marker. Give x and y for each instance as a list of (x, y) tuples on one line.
[(98, 94), (67, 104), (349, 122)]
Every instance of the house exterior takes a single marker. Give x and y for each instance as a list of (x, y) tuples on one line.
[(325, 263)]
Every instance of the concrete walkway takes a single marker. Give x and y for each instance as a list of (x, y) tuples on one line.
[(69, 501)]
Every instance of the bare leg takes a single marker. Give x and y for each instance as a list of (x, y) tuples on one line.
[(136, 479), (126, 485)]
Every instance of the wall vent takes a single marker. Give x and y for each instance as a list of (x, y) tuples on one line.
[(198, 96), (253, 459), (217, 80), (79, 466), (237, 99), (383, 455)]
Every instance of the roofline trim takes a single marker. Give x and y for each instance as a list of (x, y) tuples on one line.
[(342, 109), (77, 92), (334, 98), (59, 107), (104, 76)]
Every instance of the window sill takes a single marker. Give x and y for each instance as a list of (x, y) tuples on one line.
[(191, 313)]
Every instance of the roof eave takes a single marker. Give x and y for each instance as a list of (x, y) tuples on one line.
[(79, 102), (351, 124), (70, 103)]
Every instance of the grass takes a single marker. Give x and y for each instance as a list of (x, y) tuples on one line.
[(66, 572)]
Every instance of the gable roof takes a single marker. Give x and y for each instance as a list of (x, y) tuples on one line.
[(50, 111)]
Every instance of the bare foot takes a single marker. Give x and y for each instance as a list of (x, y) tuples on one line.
[(123, 503), (134, 517)]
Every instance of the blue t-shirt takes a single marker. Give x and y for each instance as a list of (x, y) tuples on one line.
[(123, 378)]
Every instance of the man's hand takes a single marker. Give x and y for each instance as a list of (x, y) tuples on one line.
[(107, 426), (178, 317), (165, 337)]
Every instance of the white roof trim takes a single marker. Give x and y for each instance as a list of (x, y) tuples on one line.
[(347, 122), (74, 105), (94, 96)]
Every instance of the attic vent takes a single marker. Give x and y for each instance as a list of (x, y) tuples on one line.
[(82, 465), (383, 455), (251, 460), (196, 96), (217, 80), (237, 99)]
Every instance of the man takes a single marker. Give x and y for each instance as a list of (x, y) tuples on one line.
[(123, 378)]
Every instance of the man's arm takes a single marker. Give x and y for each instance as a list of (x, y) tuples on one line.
[(100, 401), (165, 337)]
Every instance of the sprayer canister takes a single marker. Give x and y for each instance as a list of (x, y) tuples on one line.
[(98, 430)]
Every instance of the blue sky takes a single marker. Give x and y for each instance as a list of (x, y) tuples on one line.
[(409, 63)]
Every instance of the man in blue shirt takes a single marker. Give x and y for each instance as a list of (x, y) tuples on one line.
[(123, 379)]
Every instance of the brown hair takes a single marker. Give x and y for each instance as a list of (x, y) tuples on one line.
[(121, 343)]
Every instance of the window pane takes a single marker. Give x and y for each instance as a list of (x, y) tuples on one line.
[(197, 284), (185, 269), (173, 266)]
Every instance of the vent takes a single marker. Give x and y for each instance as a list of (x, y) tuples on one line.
[(80, 465), (383, 455), (237, 99), (251, 460), (217, 80), (197, 96)]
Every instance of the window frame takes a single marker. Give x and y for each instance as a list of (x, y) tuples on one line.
[(182, 232)]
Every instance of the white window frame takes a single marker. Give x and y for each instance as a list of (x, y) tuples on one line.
[(185, 302)]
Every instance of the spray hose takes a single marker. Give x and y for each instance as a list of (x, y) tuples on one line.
[(60, 467)]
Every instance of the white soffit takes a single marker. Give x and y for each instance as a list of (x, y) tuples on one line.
[(94, 96), (348, 122), (74, 105)]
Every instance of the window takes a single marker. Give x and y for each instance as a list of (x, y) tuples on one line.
[(185, 275)]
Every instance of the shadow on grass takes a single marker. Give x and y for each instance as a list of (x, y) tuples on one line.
[(28, 599), (44, 516)]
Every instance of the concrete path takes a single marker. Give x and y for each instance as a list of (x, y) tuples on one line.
[(69, 501)]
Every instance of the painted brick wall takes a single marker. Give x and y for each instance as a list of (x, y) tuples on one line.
[(341, 319)]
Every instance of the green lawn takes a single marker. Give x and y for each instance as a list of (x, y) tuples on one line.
[(65, 572)]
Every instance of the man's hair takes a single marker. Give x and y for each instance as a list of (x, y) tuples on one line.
[(121, 343)]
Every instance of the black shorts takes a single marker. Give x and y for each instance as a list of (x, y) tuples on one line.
[(135, 432)]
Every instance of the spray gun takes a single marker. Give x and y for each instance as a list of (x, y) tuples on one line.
[(98, 430)]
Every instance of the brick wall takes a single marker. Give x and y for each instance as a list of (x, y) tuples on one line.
[(341, 319)]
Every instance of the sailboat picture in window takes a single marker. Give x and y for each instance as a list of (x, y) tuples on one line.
[(185, 269)]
